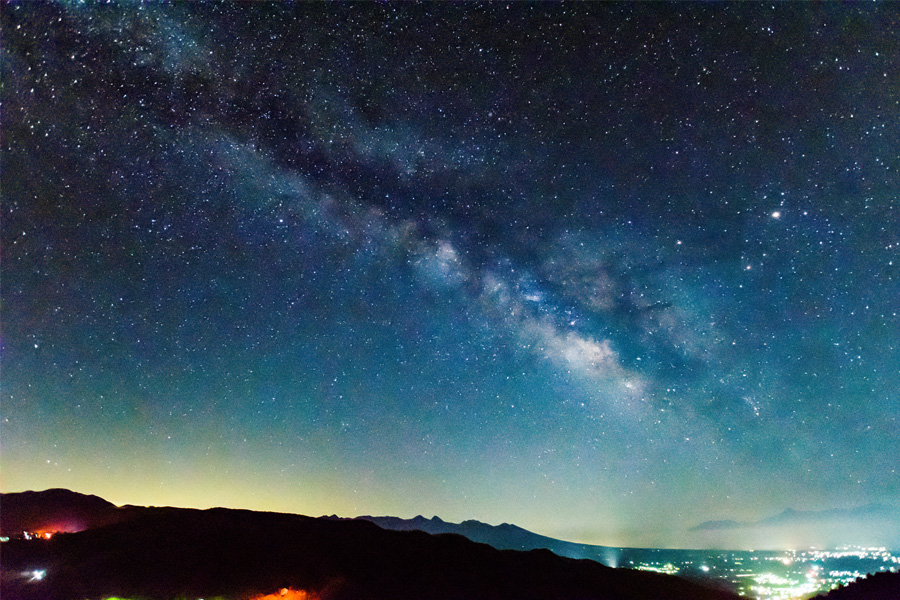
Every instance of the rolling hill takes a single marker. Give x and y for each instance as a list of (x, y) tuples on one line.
[(157, 553)]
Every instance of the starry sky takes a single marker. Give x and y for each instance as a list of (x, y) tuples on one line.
[(604, 271)]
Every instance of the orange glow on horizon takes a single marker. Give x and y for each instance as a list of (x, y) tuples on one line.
[(288, 594), (52, 528)]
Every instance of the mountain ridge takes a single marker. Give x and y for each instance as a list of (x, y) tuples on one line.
[(55, 510), (791, 516), (505, 536), (165, 552)]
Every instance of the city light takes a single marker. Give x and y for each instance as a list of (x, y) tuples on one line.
[(777, 575), (37, 574)]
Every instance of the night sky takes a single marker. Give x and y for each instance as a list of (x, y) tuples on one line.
[(604, 271)]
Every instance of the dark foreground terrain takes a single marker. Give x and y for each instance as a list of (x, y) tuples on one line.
[(880, 586), (169, 552)]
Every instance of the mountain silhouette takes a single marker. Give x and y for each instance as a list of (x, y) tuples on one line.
[(721, 524), (55, 510), (157, 553), (502, 537), (791, 516), (880, 586)]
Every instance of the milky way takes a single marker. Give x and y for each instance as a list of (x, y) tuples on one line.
[(604, 271)]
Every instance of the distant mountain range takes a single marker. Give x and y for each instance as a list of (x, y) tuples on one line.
[(157, 553), (72, 512), (790, 516), (502, 537)]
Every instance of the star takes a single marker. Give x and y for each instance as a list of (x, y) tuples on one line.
[(332, 234)]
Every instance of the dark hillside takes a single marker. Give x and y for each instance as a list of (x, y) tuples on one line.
[(880, 586), (167, 552), (54, 510)]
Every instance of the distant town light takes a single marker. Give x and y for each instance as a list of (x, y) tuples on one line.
[(37, 574)]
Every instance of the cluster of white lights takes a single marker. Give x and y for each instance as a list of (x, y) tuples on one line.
[(667, 568)]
